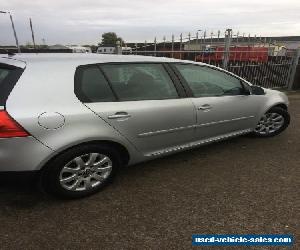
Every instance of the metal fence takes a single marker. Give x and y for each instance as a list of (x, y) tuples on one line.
[(259, 61)]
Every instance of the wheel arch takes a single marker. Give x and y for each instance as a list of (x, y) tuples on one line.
[(280, 105), (125, 156), (269, 106)]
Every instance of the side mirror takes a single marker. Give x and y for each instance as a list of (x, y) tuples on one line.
[(256, 90)]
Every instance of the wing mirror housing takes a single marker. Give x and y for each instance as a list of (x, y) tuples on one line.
[(257, 90)]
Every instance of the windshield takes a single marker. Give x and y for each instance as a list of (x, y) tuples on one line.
[(3, 74)]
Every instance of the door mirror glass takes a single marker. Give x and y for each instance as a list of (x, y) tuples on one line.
[(256, 90)]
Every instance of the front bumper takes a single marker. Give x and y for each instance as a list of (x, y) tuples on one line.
[(22, 154)]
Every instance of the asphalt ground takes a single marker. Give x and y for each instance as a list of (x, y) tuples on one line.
[(240, 186)]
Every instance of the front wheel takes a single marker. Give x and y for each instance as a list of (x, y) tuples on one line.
[(272, 123)]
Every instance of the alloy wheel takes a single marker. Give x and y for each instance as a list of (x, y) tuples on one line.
[(85, 172), (269, 123)]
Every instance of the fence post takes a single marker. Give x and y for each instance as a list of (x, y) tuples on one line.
[(293, 69), (180, 48), (172, 45), (227, 48), (118, 48), (155, 46)]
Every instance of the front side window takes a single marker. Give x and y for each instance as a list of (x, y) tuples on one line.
[(205, 81), (140, 81)]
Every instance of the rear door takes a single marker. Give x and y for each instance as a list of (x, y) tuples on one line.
[(143, 101)]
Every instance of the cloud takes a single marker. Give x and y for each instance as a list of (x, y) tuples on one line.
[(83, 21)]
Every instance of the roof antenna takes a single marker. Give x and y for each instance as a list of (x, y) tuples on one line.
[(10, 53)]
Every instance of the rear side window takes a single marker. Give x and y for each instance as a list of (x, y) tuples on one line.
[(91, 85), (123, 82), (140, 81), (9, 75)]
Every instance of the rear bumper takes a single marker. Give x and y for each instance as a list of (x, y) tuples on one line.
[(22, 154)]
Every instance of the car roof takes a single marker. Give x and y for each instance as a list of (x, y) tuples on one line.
[(11, 61), (76, 59)]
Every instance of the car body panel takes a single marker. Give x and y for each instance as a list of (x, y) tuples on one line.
[(152, 124), (225, 114), (22, 154)]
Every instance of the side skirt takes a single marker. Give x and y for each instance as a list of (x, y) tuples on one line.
[(197, 143)]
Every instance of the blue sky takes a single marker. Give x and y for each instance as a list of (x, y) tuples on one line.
[(83, 21)]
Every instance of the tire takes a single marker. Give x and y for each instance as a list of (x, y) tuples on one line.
[(98, 166), (273, 122)]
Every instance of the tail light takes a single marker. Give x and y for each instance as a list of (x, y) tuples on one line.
[(9, 127)]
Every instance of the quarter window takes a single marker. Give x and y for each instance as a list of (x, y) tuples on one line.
[(91, 86), (205, 81), (132, 82)]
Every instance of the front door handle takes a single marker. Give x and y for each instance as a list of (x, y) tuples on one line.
[(204, 107), (119, 115)]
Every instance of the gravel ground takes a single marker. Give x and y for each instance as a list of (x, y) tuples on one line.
[(243, 186)]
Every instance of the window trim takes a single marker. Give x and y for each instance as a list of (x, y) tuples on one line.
[(109, 83), (176, 81), (188, 89)]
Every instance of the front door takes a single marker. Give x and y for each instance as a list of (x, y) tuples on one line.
[(224, 105)]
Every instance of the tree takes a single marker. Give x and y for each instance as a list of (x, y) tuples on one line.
[(110, 38)]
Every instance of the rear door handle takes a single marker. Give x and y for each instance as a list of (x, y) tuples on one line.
[(119, 115), (204, 107)]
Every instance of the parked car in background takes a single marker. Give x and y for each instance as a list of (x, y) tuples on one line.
[(126, 50), (76, 119), (111, 49), (106, 49), (80, 49)]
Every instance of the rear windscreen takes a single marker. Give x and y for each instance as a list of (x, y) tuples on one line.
[(3, 74), (9, 75)]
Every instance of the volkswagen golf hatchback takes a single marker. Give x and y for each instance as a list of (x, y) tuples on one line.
[(76, 119)]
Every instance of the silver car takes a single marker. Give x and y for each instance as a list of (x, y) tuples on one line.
[(75, 119)]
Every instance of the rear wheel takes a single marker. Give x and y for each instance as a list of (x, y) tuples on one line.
[(272, 123), (81, 171)]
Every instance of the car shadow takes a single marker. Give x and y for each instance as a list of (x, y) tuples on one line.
[(21, 192)]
